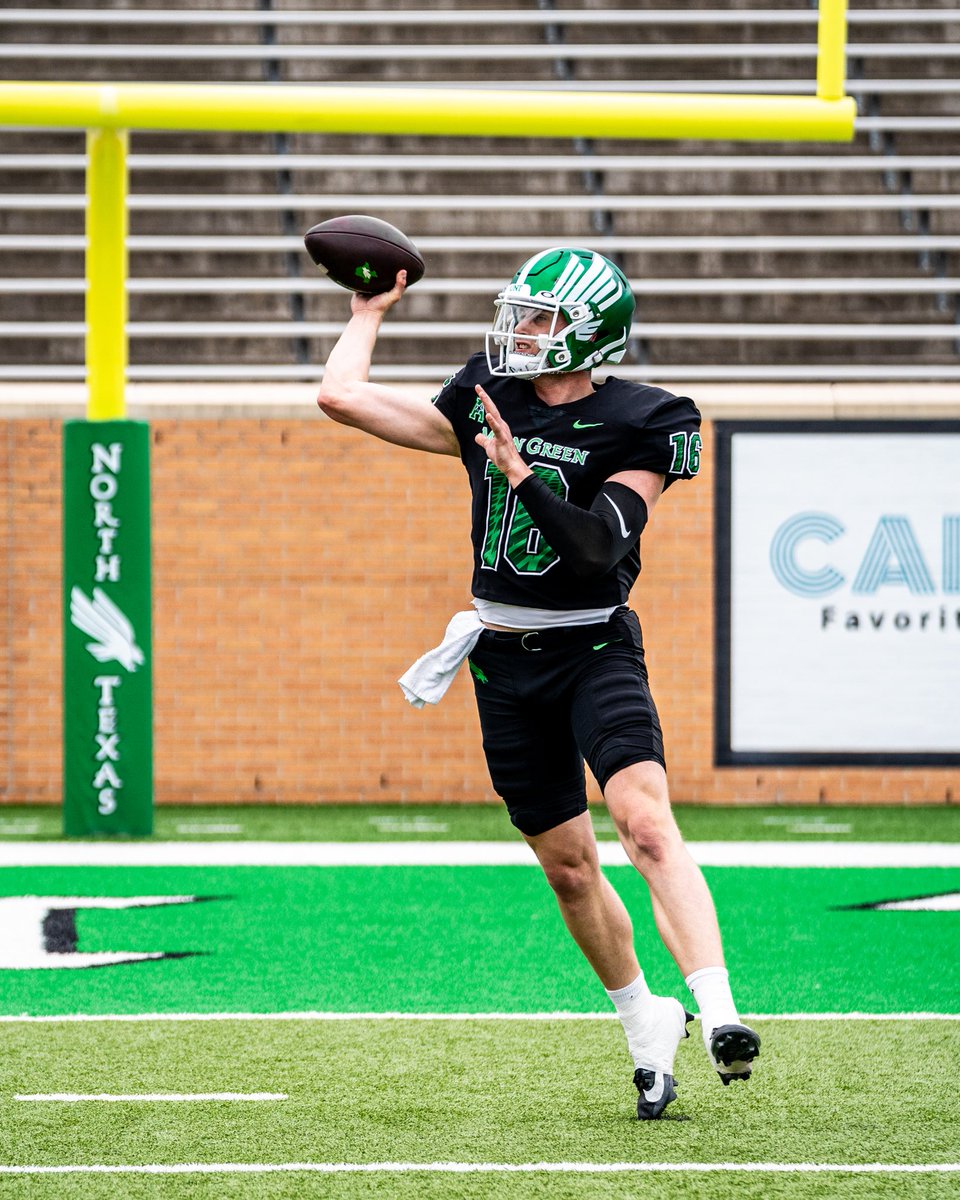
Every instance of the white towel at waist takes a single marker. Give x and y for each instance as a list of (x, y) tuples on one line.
[(430, 676)]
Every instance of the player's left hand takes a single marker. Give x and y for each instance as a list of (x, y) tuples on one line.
[(500, 448)]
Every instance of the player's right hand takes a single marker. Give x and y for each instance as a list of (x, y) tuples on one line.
[(383, 301), (500, 447)]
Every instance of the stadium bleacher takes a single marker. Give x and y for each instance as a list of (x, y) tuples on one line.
[(750, 261)]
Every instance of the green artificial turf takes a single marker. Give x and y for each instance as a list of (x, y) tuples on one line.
[(489, 822), (453, 939), (730, 1186), (475, 939), (478, 1091)]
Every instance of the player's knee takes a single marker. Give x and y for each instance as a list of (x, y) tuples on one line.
[(572, 879), (651, 835)]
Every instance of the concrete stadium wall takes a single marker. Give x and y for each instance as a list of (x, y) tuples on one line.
[(300, 567)]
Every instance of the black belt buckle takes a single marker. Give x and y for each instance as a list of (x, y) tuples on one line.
[(531, 633)]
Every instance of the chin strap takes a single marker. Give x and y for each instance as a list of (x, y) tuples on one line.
[(590, 541)]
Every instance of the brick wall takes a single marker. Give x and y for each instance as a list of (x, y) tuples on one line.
[(299, 568)]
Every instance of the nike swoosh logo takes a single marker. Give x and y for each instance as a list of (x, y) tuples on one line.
[(656, 1092), (623, 527), (587, 424), (601, 645)]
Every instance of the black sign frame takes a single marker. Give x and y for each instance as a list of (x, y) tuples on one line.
[(724, 755)]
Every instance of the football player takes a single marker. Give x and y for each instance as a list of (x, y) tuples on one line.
[(564, 474)]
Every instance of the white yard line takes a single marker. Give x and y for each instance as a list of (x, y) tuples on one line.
[(488, 1168), (26, 1018), (457, 854), (151, 1097), (200, 827)]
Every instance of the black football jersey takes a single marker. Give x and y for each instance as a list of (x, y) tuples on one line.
[(574, 448)]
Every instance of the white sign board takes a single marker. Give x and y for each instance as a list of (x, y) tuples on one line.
[(839, 592)]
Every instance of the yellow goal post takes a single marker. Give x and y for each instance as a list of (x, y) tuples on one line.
[(106, 457), (108, 110)]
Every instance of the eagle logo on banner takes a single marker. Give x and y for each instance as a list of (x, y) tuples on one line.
[(100, 619)]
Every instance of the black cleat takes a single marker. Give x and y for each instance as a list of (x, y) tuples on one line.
[(732, 1051), (656, 1089)]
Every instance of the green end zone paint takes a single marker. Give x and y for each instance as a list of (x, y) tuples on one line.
[(424, 853), (463, 939)]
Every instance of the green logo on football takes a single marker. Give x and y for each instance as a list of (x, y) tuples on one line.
[(366, 272)]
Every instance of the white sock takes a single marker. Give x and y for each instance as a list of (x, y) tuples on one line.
[(627, 1000), (633, 1007), (711, 990)]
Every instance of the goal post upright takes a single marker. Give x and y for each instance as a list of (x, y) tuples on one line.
[(106, 271), (107, 618), (831, 50)]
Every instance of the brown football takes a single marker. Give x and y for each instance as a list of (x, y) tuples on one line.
[(362, 253)]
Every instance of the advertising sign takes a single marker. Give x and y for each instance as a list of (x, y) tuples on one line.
[(838, 592), (107, 700)]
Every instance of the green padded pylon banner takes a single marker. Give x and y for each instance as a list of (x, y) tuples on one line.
[(107, 680)]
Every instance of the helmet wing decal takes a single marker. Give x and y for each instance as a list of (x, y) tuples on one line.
[(565, 285), (598, 310)]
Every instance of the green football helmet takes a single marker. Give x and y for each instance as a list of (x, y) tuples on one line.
[(590, 309)]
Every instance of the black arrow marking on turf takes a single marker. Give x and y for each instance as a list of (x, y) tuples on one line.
[(138, 962), (60, 931), (60, 935), (883, 905)]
